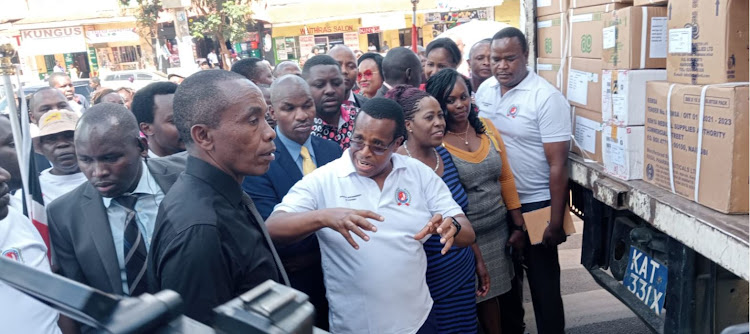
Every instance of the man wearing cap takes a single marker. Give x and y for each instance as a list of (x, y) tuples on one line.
[(55, 142)]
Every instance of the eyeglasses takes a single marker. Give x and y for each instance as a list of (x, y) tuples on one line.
[(359, 144), (367, 75)]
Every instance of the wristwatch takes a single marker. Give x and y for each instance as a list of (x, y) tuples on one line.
[(514, 227), (457, 225)]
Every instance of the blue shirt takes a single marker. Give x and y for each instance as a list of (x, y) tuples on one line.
[(294, 148), (150, 196)]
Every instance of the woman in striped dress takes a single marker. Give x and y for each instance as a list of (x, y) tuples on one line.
[(450, 277)]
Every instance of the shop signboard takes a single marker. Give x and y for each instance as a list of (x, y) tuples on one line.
[(93, 59), (351, 39), (306, 43), (112, 36), (280, 45), (53, 41), (369, 30)]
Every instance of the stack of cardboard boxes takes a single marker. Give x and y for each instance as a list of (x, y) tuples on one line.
[(697, 121)]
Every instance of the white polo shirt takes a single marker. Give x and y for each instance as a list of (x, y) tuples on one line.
[(529, 115), (381, 287)]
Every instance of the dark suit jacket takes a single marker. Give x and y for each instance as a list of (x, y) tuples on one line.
[(80, 236), (268, 189), (360, 100), (381, 92)]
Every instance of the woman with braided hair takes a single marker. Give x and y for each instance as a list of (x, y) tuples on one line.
[(450, 277), (479, 155)]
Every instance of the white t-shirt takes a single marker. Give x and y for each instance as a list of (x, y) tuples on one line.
[(54, 186), (19, 313), (529, 115), (381, 287)]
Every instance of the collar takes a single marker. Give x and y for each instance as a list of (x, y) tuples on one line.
[(221, 182), (387, 85), (293, 147), (146, 185), (351, 97), (347, 167), (525, 84), (152, 155)]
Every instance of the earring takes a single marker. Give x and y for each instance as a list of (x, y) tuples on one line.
[(410, 130)]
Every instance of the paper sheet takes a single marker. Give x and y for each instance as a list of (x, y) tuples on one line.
[(680, 40), (658, 42), (578, 86), (537, 221), (585, 134), (609, 35)]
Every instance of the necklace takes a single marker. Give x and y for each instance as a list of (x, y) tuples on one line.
[(465, 134), (437, 156)]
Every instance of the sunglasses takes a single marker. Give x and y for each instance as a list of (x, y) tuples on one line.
[(358, 144), (366, 75)]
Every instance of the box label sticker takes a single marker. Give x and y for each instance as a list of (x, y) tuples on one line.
[(658, 41), (543, 3), (609, 35), (606, 95), (543, 67), (582, 18), (578, 86), (585, 134), (544, 24), (680, 40), (620, 98)]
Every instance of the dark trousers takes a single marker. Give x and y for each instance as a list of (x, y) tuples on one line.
[(430, 325), (310, 281), (542, 268)]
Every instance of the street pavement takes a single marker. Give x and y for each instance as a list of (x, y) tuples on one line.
[(589, 309)]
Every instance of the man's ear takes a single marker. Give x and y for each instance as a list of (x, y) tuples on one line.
[(202, 137), (146, 129), (143, 146), (408, 74)]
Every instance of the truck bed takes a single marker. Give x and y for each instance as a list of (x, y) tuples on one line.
[(721, 238)]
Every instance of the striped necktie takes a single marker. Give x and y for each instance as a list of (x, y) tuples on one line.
[(307, 164), (134, 248)]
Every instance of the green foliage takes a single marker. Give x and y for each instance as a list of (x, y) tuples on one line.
[(222, 19)]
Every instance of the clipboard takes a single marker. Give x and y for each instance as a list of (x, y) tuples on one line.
[(536, 222)]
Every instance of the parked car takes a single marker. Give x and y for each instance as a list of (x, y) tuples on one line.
[(141, 78)]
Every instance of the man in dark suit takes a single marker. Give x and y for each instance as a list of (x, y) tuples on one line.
[(345, 57), (91, 227), (297, 154), (401, 66)]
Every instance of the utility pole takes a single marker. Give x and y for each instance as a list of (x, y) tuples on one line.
[(178, 8)]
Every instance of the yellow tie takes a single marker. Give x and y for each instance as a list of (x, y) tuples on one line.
[(307, 164)]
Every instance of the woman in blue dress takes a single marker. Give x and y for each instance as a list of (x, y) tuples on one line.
[(450, 277)]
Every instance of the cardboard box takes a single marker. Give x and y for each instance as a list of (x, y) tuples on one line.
[(551, 33), (622, 151), (589, 3), (708, 41), (553, 71), (586, 30), (723, 175), (584, 84), (549, 7), (650, 2), (624, 95), (587, 132), (635, 38)]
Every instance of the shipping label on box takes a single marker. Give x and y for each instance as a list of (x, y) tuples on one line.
[(587, 134), (584, 86), (622, 151), (635, 38), (589, 3), (624, 95), (549, 7), (553, 71), (551, 33), (723, 175), (650, 2), (586, 30), (708, 41)]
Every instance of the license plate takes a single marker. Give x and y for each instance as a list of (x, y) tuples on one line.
[(646, 278)]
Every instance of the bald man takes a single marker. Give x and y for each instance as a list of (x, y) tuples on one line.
[(287, 67), (348, 61), (401, 66), (294, 111), (95, 226), (479, 63)]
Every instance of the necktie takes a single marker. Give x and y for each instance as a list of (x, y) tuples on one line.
[(134, 248), (257, 221), (307, 164)]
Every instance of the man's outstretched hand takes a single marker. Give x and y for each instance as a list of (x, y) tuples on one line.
[(443, 227), (348, 220)]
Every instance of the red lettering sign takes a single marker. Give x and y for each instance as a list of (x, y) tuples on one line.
[(369, 30)]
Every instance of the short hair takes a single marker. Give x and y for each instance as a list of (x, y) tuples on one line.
[(54, 76), (484, 41), (247, 67), (382, 108), (200, 100), (408, 97), (441, 84), (447, 44), (98, 95), (376, 57), (282, 65), (397, 61), (511, 32), (318, 60), (119, 120), (280, 82), (96, 80), (143, 100), (33, 98)]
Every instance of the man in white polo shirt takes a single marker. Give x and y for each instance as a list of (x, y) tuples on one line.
[(377, 286), (534, 119)]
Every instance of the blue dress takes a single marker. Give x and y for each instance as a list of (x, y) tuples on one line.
[(451, 277)]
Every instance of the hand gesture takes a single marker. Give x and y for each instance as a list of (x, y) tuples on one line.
[(438, 225), (348, 220)]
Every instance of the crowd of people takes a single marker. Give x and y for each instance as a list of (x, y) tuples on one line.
[(390, 190)]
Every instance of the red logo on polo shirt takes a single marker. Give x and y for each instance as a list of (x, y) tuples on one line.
[(403, 197), (513, 111), (13, 254)]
